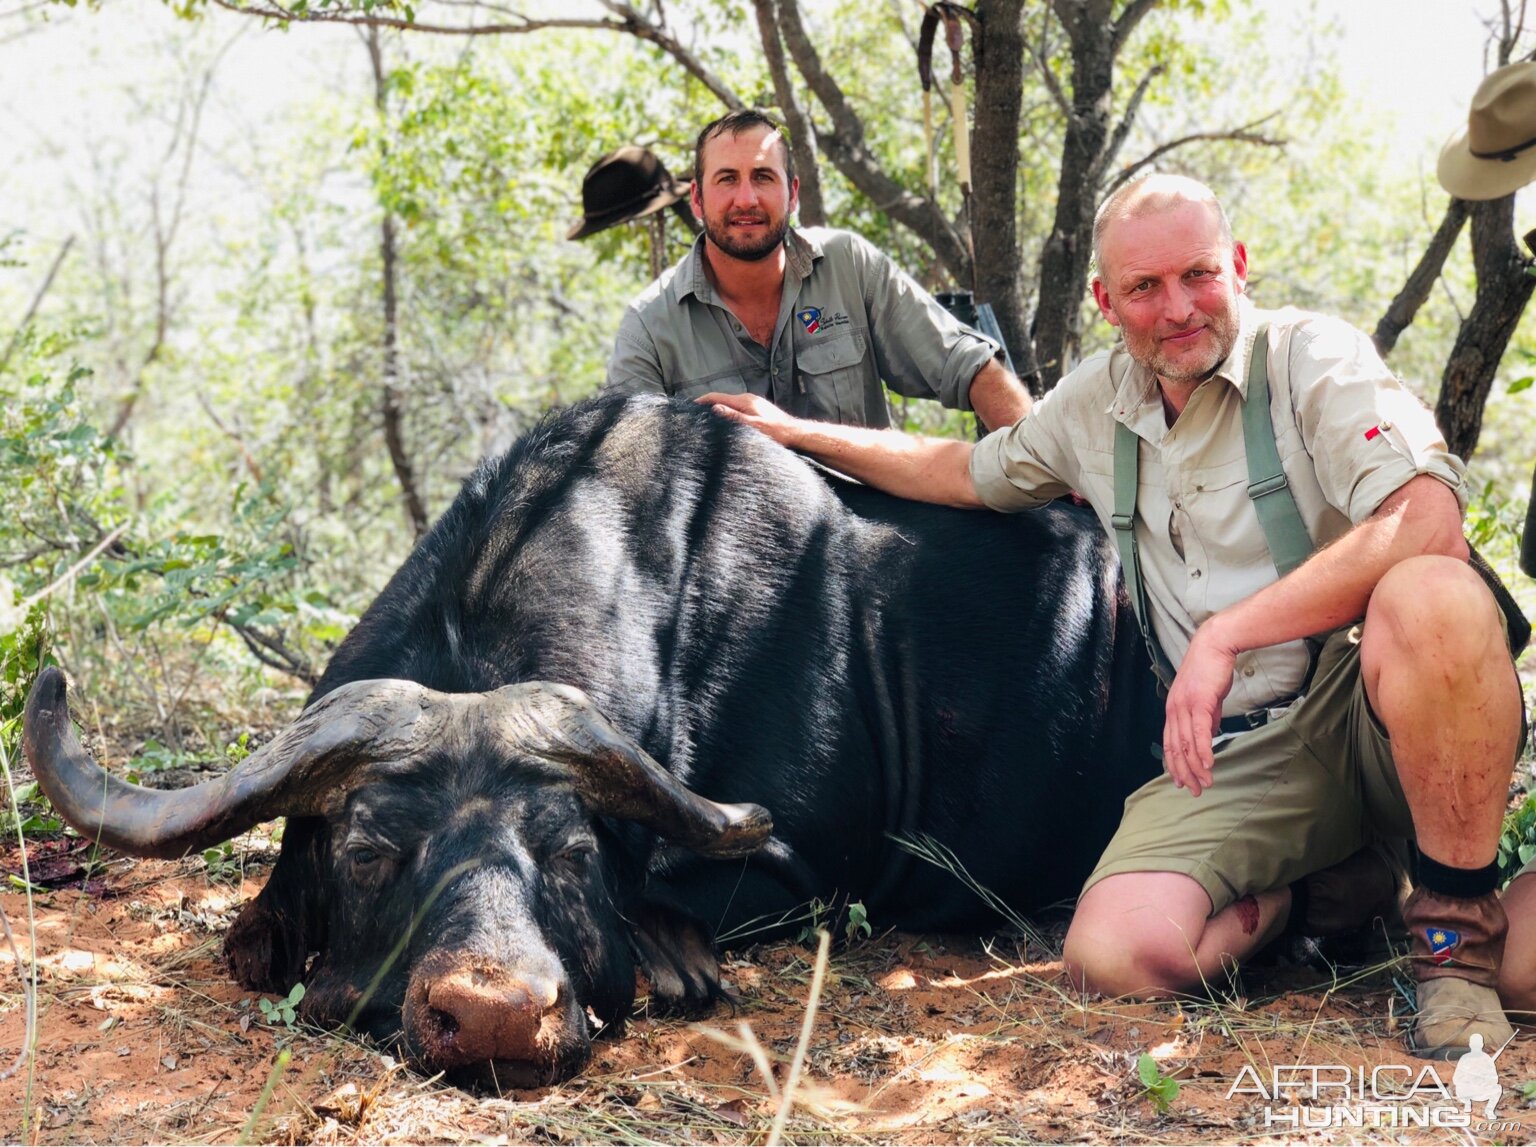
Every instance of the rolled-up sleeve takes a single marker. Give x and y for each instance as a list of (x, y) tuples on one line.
[(635, 367), (1367, 433), (1023, 466), (921, 350)]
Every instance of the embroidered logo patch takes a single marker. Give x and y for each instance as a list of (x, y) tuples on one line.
[(1372, 433), (1442, 942), (810, 319)]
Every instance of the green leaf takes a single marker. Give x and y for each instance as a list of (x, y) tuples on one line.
[(1147, 1070), (1522, 384)]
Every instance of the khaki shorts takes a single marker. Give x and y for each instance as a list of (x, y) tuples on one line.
[(1299, 794)]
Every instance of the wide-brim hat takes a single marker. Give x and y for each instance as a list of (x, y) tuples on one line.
[(1495, 154), (626, 184)]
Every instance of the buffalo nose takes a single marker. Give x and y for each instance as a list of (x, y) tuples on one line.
[(474, 1015)]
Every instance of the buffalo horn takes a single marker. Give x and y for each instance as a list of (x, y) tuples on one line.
[(615, 777), (306, 770)]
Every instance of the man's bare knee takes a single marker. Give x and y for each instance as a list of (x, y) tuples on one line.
[(1137, 934), (1430, 601), (1130, 967)]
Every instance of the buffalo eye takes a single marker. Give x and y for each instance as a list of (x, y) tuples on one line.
[(363, 858), (574, 857)]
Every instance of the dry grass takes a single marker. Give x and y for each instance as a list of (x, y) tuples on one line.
[(912, 1040)]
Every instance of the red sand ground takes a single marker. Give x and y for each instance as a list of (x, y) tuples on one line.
[(918, 1039)]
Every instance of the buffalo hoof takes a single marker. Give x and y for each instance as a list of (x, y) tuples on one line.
[(264, 951), (490, 1029), (679, 961)]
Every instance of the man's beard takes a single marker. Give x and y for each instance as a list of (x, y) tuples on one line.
[(1223, 327), (748, 251)]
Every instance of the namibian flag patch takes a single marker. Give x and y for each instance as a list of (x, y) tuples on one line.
[(1442, 942)]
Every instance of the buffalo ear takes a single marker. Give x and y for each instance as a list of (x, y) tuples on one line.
[(269, 943)]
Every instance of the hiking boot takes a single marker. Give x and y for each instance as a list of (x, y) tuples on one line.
[(1455, 947), (1450, 1012)]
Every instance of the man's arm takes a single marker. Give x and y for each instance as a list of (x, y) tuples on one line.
[(923, 469), (1331, 587), (997, 396)]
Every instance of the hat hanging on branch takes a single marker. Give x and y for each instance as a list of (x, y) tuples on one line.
[(631, 183), (1495, 154)]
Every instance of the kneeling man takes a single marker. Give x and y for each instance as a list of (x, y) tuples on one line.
[(1322, 700)]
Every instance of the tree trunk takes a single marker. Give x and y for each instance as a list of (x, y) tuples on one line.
[(394, 432), (1504, 286), (1065, 256), (995, 173), (843, 143), (802, 137), (1400, 314)]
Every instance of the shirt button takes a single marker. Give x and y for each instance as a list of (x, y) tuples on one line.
[(1247, 670), (1386, 426), (1178, 505), (1194, 574)]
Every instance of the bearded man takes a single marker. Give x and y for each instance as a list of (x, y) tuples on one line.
[(1356, 688), (813, 320)]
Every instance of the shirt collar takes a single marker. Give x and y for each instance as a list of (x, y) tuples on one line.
[(800, 254)]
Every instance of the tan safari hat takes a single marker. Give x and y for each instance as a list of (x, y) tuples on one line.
[(1495, 154)]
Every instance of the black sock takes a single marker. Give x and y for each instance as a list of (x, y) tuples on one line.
[(1464, 883)]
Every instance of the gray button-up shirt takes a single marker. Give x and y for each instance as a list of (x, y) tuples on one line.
[(1348, 432), (848, 318)]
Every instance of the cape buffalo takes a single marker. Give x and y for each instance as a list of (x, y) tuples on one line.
[(494, 795)]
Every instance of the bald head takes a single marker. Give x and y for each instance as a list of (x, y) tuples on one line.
[(1154, 195)]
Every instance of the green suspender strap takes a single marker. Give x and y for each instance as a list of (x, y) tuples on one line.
[(1284, 531), (1127, 475)]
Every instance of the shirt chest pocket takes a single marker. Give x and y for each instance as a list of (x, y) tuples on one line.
[(832, 373), (1212, 505)]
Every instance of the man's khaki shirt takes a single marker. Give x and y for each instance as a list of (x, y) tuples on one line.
[(848, 318), (1348, 432)]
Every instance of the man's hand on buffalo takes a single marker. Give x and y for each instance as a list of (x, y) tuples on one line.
[(1194, 710), (755, 411)]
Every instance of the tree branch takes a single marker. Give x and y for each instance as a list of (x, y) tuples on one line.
[(37, 301), (802, 137), (1041, 55), (1405, 306), (844, 146), (1126, 24), (270, 651), (1244, 134), (245, 453), (1127, 121), (638, 26), (269, 10), (394, 418)]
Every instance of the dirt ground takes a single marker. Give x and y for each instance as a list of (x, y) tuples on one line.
[(144, 1039)]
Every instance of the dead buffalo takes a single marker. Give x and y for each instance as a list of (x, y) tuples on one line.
[(502, 796)]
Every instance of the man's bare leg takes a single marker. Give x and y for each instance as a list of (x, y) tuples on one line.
[(1151, 933), (1437, 672), (1517, 974)]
